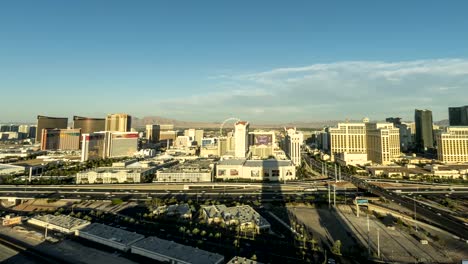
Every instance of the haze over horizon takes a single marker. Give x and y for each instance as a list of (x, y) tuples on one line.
[(274, 62)]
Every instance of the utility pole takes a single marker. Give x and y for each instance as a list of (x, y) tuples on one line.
[(368, 236), (336, 174), (415, 220), (339, 173), (334, 195), (47, 225), (345, 195), (378, 243), (329, 198)]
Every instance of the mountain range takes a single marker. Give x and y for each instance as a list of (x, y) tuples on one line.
[(141, 122)]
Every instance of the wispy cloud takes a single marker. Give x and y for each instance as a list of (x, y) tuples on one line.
[(339, 90)]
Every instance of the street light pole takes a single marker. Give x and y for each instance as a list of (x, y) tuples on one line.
[(336, 176), (334, 195), (415, 218), (378, 243), (368, 236)]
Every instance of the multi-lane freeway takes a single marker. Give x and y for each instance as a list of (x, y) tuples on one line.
[(432, 215), (266, 192)]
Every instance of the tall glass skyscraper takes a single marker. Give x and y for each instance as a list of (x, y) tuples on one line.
[(458, 116), (49, 122), (424, 133)]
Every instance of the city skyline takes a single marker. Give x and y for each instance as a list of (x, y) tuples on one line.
[(265, 62)]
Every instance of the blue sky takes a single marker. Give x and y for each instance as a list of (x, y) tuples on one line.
[(263, 61)]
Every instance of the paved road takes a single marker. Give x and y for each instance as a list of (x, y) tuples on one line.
[(434, 216)]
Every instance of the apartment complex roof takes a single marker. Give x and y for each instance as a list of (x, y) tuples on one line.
[(243, 214)]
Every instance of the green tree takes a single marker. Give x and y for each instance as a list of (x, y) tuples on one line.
[(116, 201), (195, 231), (336, 249)]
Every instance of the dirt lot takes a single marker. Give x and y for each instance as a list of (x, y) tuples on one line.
[(395, 245), (41, 205), (325, 226)]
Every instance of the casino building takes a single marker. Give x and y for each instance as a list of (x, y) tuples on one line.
[(49, 122), (109, 144), (89, 124)]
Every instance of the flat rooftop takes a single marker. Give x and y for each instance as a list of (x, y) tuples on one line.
[(197, 165), (232, 162), (63, 221), (268, 163), (33, 162), (256, 163), (396, 168), (118, 170), (177, 251), (112, 233)]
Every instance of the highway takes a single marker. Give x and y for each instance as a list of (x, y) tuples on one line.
[(434, 216)]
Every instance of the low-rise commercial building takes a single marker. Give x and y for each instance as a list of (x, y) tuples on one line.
[(8, 169), (209, 151), (408, 171), (9, 220), (110, 236), (114, 175), (198, 170), (172, 252), (353, 159), (256, 170), (453, 171), (62, 223), (243, 216)]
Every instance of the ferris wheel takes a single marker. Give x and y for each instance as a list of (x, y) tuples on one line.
[(225, 121)]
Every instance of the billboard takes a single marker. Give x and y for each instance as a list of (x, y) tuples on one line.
[(362, 201), (263, 139), (126, 135)]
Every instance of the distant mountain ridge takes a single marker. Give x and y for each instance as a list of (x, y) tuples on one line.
[(141, 122)]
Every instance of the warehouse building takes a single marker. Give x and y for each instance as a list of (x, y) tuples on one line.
[(110, 236), (172, 252), (62, 223)]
